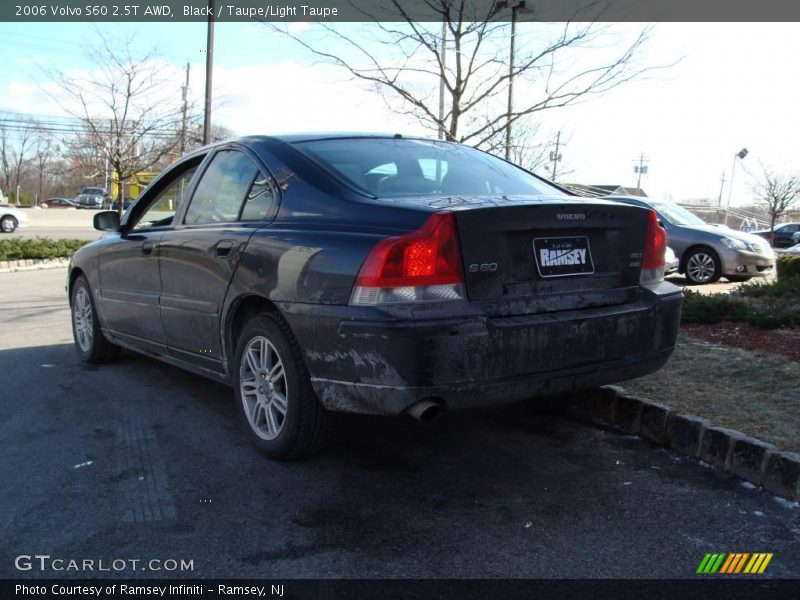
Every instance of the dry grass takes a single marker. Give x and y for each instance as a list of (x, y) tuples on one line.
[(752, 392)]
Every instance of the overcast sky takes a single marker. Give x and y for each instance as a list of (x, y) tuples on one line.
[(736, 85)]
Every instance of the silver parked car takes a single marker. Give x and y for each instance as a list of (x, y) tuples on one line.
[(707, 252), (91, 197)]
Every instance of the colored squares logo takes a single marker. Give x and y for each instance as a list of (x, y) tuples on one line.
[(734, 562)]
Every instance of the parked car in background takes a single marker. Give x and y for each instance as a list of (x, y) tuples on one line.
[(671, 262), (373, 274), (707, 252), (793, 250), (91, 197), (12, 218), (125, 203), (782, 234), (796, 238), (58, 203)]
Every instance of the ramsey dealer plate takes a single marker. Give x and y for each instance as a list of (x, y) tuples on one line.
[(562, 256)]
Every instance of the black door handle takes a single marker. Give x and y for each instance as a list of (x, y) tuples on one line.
[(147, 248), (224, 248)]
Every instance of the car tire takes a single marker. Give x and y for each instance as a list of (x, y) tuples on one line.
[(738, 278), (90, 342), (702, 266), (276, 404), (8, 224)]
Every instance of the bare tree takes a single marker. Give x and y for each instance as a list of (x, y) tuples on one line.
[(778, 194), (15, 147), (468, 52), (45, 150), (5, 158), (130, 113)]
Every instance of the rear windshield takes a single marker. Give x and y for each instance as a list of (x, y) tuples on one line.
[(677, 214), (93, 191), (403, 167)]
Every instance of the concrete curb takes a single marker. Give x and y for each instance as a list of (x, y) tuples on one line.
[(32, 264), (750, 459)]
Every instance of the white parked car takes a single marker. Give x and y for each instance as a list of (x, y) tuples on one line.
[(11, 218), (671, 261)]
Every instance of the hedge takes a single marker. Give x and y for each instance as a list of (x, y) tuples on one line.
[(22, 248), (768, 305), (788, 266)]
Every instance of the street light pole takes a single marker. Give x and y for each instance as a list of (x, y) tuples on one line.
[(209, 72), (740, 155)]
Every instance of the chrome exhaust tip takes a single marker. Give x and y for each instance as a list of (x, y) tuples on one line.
[(425, 410)]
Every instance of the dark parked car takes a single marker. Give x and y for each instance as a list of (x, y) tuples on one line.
[(373, 274), (126, 203), (58, 203), (783, 234), (707, 252), (91, 197)]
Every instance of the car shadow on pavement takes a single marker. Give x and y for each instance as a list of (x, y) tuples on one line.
[(150, 460)]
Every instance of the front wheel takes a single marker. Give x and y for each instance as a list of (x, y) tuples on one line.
[(276, 403), (8, 224), (703, 266), (91, 344)]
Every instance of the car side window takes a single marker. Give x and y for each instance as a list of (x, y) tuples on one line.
[(260, 201), (163, 207), (222, 189)]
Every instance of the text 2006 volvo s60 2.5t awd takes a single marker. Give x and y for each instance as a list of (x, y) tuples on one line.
[(373, 274)]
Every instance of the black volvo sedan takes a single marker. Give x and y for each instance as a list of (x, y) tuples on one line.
[(373, 274)]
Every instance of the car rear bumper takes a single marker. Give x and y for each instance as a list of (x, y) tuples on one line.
[(385, 366)]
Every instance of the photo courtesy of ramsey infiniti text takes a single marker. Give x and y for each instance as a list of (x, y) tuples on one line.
[(376, 274)]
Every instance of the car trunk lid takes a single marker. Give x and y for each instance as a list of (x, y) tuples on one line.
[(550, 255)]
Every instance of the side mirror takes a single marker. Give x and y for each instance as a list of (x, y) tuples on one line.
[(107, 220)]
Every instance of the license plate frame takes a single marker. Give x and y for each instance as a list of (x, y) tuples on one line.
[(566, 246)]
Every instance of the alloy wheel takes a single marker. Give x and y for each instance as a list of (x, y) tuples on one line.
[(263, 387), (700, 267), (82, 319)]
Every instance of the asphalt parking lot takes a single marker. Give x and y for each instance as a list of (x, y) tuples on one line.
[(139, 460)]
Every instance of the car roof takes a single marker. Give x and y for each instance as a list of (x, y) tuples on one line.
[(292, 138)]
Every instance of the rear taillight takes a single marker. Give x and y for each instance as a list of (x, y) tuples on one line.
[(422, 266), (655, 247)]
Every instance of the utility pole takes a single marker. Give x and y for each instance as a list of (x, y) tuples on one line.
[(514, 4), (209, 72), (185, 94), (555, 156), (641, 169), (721, 187), (441, 80)]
